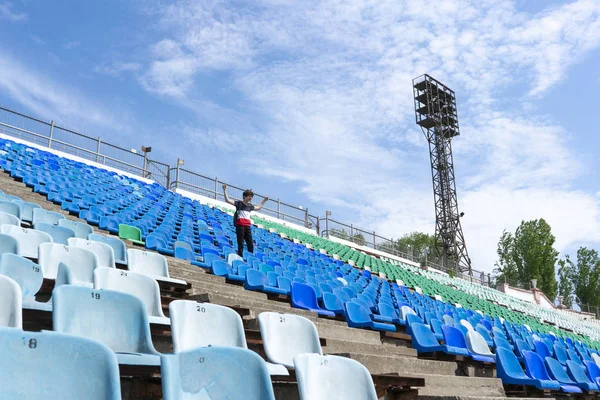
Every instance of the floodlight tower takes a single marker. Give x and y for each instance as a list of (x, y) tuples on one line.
[(435, 109)]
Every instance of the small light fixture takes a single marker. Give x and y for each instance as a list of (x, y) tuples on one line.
[(147, 149), (180, 161), (533, 283)]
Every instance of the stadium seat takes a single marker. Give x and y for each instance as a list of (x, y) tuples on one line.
[(467, 324), (118, 246), (204, 324), (11, 208), (595, 358), (82, 230), (78, 274), (221, 373), (10, 304), (141, 286), (277, 329), (26, 273), (27, 211), (35, 365), (151, 264), (28, 240), (256, 280), (332, 377), (9, 219), (541, 349), (50, 217), (557, 372), (59, 234), (123, 325), (51, 255), (477, 345), (105, 253), (456, 343), (8, 244), (424, 341), (593, 371), (358, 316), (509, 370), (131, 233), (577, 372), (305, 297), (333, 303), (535, 368)]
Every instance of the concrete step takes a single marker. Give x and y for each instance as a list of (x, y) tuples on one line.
[(404, 365), (336, 346), (444, 386)]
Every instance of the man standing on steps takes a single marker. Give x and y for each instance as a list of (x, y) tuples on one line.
[(241, 218)]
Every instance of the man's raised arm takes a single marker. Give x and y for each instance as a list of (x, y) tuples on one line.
[(227, 200), (262, 203)]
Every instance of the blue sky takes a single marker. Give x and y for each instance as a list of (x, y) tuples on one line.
[(311, 101)]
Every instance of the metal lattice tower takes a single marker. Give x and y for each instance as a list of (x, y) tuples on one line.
[(435, 108)]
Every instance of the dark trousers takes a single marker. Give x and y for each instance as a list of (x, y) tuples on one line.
[(244, 233)]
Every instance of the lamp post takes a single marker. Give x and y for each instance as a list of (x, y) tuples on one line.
[(533, 283), (179, 162), (146, 150), (327, 214)]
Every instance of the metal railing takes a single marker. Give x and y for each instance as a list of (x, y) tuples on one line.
[(95, 149)]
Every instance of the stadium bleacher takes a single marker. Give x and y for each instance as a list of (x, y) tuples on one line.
[(149, 280)]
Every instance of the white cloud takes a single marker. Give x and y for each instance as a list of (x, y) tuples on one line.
[(72, 45), (116, 68), (331, 82), (7, 13)]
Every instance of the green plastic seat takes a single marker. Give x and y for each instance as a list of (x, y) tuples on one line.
[(131, 233)]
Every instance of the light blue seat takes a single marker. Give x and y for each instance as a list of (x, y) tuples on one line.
[(424, 341), (34, 366), (8, 244), (593, 371), (256, 280), (358, 316), (556, 371), (535, 368), (222, 373), (9, 219), (26, 273), (52, 254), (577, 372), (305, 297), (60, 234), (118, 246), (509, 370), (50, 217), (28, 240), (82, 230), (10, 304), (11, 208), (105, 253), (333, 303), (151, 264), (332, 377), (27, 211), (123, 325)]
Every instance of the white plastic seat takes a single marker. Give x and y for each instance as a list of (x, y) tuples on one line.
[(10, 304), (26, 273), (439, 297), (151, 264), (404, 311), (11, 208), (52, 254), (143, 287), (232, 257), (59, 234), (28, 239), (477, 344), (466, 324), (105, 253), (81, 229), (399, 282), (118, 246), (116, 319), (596, 359), (27, 211), (9, 219), (203, 324), (332, 377), (75, 275), (49, 217), (418, 290), (50, 365), (8, 244), (286, 335)]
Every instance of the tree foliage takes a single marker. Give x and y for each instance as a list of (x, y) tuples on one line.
[(528, 254), (357, 238), (420, 246), (581, 279)]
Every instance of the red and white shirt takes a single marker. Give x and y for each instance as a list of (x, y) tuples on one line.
[(242, 213)]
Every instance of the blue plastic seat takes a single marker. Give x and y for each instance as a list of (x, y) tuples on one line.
[(436, 327), (26, 273), (118, 246), (593, 371), (424, 341), (486, 335), (8, 244), (358, 316), (256, 280), (59, 234), (535, 368), (123, 325), (222, 373), (577, 372), (34, 366), (80, 229), (457, 344), (305, 297), (387, 311), (541, 349), (333, 303), (184, 253), (557, 372), (509, 370), (573, 356)]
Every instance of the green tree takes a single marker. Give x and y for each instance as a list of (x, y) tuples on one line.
[(420, 246), (528, 254), (357, 238), (566, 271), (339, 233), (585, 277)]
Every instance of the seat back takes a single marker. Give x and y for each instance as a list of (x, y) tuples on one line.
[(454, 337), (577, 372), (118, 320), (9, 219), (448, 320), (423, 335), (541, 349), (28, 240), (406, 310), (118, 246), (203, 324), (27, 211), (8, 244), (34, 365), (221, 373), (534, 366), (51, 255), (287, 335), (332, 377), (59, 234), (507, 365), (147, 263), (595, 357), (467, 324), (82, 230), (556, 371), (232, 257), (500, 342), (11, 208), (50, 217), (592, 369), (10, 304), (477, 344), (141, 286), (574, 357), (105, 253), (26, 273), (303, 295)]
